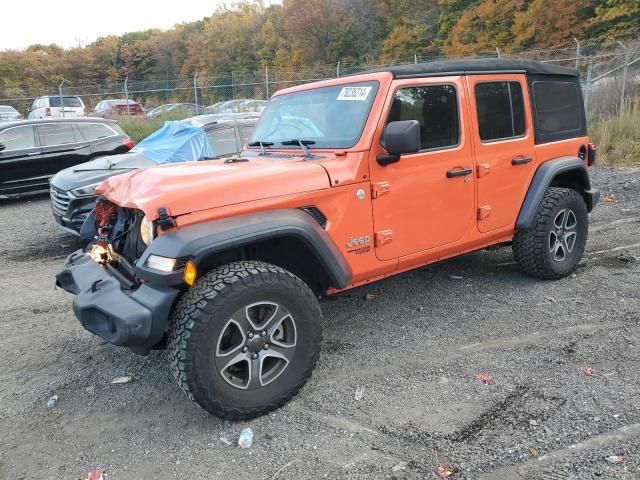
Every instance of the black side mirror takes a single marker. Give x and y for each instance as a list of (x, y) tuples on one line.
[(2, 146), (398, 138)]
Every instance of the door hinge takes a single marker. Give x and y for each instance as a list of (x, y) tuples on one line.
[(382, 237), (484, 212), (483, 169), (379, 188)]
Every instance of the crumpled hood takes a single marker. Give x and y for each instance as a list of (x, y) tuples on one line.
[(193, 186)]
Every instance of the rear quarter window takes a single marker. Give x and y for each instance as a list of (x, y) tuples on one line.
[(94, 131), (558, 110)]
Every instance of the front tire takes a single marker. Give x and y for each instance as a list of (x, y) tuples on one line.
[(244, 339), (553, 246)]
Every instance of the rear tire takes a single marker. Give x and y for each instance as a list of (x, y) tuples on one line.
[(553, 246), (244, 339)]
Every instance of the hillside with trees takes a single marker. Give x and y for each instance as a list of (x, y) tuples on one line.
[(248, 36)]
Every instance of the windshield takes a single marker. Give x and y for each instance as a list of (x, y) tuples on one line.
[(330, 117)]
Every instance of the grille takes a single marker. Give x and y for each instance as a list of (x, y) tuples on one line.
[(59, 201)]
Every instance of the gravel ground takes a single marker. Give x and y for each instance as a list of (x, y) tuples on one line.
[(414, 343)]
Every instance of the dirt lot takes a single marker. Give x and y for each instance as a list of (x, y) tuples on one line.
[(415, 345)]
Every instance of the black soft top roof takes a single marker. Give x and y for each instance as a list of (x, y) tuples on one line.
[(471, 66)]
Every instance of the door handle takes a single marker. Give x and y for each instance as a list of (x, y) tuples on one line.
[(33, 153), (458, 173), (520, 160)]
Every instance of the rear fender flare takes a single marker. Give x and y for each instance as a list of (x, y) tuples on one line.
[(544, 178)]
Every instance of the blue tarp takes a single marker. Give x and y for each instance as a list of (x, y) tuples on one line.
[(176, 141)]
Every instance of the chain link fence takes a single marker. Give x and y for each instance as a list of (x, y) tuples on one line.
[(610, 78)]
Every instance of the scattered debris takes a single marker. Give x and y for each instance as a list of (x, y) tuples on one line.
[(359, 394), (245, 440), (457, 277), (97, 474), (588, 371), (533, 451), (484, 378), (533, 422), (51, 403), (285, 466), (371, 296), (445, 470), (399, 466), (226, 441), (550, 299), (609, 199), (615, 458), (118, 380)]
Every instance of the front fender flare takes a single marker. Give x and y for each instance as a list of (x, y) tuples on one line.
[(544, 177), (200, 241)]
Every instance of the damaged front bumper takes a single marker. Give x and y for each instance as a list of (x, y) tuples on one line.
[(135, 318)]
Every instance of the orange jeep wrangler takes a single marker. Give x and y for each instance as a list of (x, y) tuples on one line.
[(343, 182)]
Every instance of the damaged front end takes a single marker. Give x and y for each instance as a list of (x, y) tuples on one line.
[(112, 300)]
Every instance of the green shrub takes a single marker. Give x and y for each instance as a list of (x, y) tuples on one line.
[(618, 139), (140, 128)]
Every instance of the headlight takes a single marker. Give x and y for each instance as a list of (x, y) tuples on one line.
[(146, 230), (86, 190), (163, 264)]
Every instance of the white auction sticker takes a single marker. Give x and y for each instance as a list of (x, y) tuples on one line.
[(354, 93)]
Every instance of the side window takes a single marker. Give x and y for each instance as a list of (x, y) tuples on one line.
[(56, 134), (500, 110), (244, 132), (223, 141), (558, 107), (94, 131), (435, 107), (18, 138)]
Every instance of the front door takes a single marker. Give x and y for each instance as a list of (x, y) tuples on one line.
[(426, 199), (504, 146), (20, 160)]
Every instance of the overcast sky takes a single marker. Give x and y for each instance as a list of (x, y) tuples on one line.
[(67, 22)]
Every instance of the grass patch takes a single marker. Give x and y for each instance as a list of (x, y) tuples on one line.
[(618, 139), (140, 128)]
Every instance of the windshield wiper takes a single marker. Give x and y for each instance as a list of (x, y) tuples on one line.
[(303, 145), (261, 145), (103, 169)]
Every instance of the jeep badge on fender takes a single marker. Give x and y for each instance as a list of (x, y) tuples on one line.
[(223, 263)]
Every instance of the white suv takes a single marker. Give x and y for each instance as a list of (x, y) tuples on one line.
[(56, 106)]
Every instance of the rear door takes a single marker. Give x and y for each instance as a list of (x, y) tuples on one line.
[(20, 159), (61, 146), (504, 146)]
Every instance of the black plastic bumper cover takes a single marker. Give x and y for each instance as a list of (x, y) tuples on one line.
[(131, 318)]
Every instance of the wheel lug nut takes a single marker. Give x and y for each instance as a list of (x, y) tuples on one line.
[(266, 346), (245, 349), (263, 333), (254, 356), (250, 335)]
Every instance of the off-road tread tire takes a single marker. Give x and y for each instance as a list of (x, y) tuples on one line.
[(208, 294), (530, 246)]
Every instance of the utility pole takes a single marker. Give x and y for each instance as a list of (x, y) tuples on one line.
[(126, 93), (625, 73), (195, 91), (61, 99)]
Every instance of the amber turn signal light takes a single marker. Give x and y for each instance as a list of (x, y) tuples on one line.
[(190, 273)]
